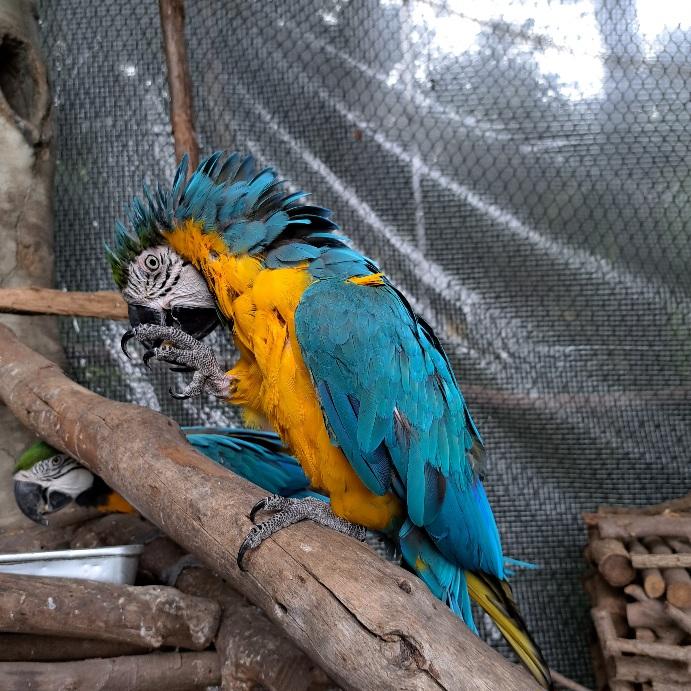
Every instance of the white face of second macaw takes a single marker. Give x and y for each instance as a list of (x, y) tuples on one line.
[(160, 279), (50, 485), (60, 473), (162, 288)]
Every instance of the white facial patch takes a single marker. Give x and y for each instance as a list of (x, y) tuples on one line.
[(60, 473), (160, 278)]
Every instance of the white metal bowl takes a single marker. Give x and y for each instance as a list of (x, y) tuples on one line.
[(106, 564)]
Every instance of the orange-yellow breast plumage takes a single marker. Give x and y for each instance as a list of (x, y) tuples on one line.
[(272, 381)]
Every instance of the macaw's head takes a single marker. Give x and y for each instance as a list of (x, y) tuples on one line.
[(249, 213), (47, 481), (162, 288)]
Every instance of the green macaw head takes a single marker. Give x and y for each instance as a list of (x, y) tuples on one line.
[(47, 480)]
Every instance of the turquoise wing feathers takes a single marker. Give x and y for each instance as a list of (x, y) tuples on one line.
[(255, 455), (393, 405)]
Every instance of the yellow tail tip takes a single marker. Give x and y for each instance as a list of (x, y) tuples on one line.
[(495, 598)]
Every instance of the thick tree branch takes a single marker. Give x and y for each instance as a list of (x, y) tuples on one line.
[(169, 671), (151, 616), (33, 648), (367, 623)]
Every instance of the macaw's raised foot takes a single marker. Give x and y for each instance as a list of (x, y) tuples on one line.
[(171, 345), (289, 511)]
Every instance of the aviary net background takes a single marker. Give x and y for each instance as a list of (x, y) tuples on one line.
[(520, 169)]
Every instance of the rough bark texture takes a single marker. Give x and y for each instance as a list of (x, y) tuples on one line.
[(179, 82), (35, 538), (115, 529), (149, 616), (670, 506), (157, 672), (661, 561), (367, 623), (27, 647), (103, 304), (26, 176), (640, 669), (253, 651)]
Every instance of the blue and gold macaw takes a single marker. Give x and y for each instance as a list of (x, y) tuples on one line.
[(333, 357)]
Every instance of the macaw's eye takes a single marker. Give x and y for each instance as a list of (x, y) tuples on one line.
[(151, 262)]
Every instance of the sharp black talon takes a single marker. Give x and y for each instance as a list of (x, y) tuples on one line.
[(257, 508), (126, 337), (147, 356), (241, 553), (178, 396)]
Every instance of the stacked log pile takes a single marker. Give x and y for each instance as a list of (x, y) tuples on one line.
[(640, 592), (180, 628)]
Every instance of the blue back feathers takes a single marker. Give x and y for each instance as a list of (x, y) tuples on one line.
[(393, 405), (252, 210)]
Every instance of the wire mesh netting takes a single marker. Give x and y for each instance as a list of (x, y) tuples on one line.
[(519, 168)]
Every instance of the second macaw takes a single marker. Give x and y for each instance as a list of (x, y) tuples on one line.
[(334, 358), (47, 480)]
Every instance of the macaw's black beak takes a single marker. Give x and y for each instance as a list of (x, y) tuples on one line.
[(196, 321), (30, 500)]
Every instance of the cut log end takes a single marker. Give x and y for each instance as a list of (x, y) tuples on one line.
[(679, 595)]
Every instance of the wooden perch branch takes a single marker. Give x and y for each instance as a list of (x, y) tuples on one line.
[(179, 83), (103, 304), (149, 616), (367, 623), (169, 671), (28, 647)]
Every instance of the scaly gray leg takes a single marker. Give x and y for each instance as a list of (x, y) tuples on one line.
[(182, 350), (289, 511)]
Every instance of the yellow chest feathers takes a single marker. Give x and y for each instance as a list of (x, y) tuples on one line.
[(272, 381)]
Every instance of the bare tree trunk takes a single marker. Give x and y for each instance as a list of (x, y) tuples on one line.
[(26, 228), (367, 623)]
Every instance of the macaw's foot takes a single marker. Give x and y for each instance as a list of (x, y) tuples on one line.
[(178, 348), (289, 511)]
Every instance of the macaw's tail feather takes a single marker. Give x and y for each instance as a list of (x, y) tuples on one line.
[(496, 598), (513, 565), (444, 579)]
